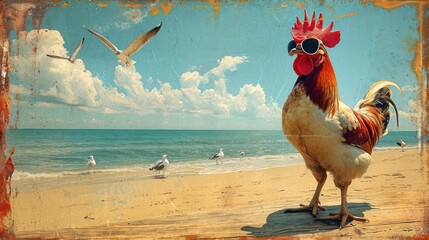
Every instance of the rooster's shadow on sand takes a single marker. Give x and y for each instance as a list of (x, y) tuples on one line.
[(280, 223)]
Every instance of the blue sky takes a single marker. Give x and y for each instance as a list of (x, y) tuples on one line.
[(201, 71)]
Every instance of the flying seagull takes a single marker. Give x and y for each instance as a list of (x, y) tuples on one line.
[(72, 58), (160, 165), (124, 56), (218, 156)]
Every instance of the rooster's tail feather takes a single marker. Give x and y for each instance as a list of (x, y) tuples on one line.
[(379, 95)]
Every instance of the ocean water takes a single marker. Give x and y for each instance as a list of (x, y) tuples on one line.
[(58, 151)]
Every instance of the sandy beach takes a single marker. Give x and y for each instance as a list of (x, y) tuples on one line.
[(393, 195)]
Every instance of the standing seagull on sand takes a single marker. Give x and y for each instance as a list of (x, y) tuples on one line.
[(91, 163), (72, 58), (161, 164), (218, 156), (402, 144), (242, 154), (125, 55)]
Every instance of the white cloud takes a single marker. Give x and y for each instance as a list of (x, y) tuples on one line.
[(129, 80), (227, 63), (192, 79), (51, 83), (173, 98), (251, 99), (412, 112)]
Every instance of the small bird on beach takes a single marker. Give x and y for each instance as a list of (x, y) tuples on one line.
[(218, 156), (242, 154), (72, 58), (91, 163), (125, 55), (160, 165), (402, 144)]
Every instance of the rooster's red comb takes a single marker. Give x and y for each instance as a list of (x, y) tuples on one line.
[(301, 31)]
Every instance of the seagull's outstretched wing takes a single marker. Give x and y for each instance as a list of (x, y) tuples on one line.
[(58, 57), (79, 46), (104, 40), (141, 41)]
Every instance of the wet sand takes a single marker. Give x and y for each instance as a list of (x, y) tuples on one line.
[(393, 195)]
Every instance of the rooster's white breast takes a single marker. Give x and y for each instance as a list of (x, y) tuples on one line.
[(319, 139)]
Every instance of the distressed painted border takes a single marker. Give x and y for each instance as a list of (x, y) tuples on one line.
[(420, 66)]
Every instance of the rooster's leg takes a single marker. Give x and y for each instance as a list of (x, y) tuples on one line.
[(314, 205), (344, 212)]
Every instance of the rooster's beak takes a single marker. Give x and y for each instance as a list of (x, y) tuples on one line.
[(295, 51), (300, 52)]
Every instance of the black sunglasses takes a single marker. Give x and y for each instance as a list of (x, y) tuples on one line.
[(309, 45)]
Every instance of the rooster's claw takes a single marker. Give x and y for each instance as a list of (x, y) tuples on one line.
[(306, 208), (343, 217)]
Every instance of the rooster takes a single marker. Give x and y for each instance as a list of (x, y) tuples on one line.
[(330, 136)]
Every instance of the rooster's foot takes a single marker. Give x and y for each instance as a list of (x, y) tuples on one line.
[(343, 217), (307, 208)]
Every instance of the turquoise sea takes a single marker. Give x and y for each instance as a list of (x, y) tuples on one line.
[(59, 151)]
